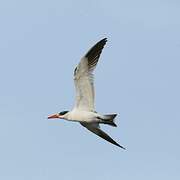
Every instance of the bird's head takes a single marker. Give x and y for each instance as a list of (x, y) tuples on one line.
[(60, 115)]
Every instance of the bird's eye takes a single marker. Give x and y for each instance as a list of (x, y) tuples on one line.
[(63, 112), (75, 70)]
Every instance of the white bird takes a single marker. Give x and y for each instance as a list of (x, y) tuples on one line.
[(84, 110)]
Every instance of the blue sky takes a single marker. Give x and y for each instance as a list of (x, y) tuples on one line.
[(138, 77)]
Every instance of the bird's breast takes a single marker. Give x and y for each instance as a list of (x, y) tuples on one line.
[(81, 116)]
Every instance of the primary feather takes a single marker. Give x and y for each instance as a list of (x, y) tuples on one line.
[(84, 78)]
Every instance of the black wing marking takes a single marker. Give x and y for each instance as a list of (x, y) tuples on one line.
[(94, 53), (95, 129)]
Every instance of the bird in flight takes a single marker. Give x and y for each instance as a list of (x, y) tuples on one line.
[(84, 110)]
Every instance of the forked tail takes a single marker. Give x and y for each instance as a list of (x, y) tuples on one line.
[(109, 119)]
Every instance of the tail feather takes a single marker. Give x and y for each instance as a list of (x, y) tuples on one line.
[(109, 119)]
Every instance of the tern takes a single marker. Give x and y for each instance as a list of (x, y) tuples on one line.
[(84, 109)]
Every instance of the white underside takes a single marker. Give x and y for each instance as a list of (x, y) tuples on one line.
[(82, 116)]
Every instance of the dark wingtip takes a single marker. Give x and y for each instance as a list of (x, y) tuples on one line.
[(103, 40), (99, 45), (122, 147), (94, 53)]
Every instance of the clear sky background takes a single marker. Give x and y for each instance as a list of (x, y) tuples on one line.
[(138, 76)]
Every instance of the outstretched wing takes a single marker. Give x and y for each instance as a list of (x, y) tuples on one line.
[(83, 77), (96, 129)]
